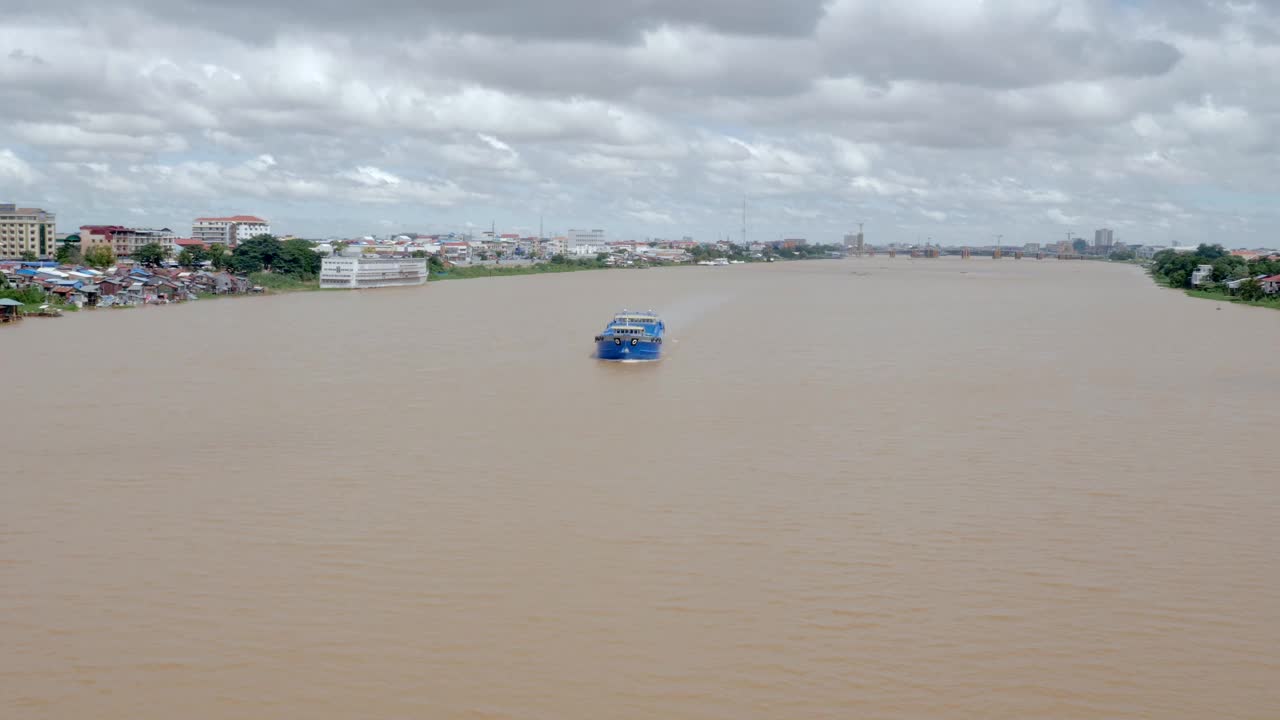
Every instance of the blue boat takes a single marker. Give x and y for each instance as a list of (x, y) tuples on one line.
[(631, 337)]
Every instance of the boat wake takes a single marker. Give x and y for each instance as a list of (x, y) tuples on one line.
[(690, 310)]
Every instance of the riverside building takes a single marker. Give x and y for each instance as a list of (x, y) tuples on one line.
[(228, 231), (26, 230)]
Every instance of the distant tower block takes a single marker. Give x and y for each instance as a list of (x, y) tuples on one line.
[(964, 254), (857, 243)]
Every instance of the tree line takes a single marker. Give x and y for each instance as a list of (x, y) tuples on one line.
[(1175, 269), (294, 258)]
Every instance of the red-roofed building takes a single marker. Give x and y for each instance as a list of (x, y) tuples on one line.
[(235, 218), (124, 241), (228, 230), (1270, 285)]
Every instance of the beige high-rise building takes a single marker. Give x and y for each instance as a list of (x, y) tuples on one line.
[(25, 230)]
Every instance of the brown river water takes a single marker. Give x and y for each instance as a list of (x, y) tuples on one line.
[(852, 489)]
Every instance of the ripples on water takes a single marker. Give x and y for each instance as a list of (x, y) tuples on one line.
[(871, 489)]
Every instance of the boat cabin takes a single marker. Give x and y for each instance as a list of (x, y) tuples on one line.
[(634, 319)]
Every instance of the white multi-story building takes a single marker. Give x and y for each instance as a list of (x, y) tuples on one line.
[(358, 270), (26, 230), (228, 230), (1104, 238), (577, 238), (588, 250)]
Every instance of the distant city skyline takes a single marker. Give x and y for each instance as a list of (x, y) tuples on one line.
[(1026, 120)]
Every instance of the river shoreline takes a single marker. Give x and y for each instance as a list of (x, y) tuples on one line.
[(275, 285), (1273, 304)]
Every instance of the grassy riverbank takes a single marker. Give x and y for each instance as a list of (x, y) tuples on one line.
[(1270, 302), (276, 283)]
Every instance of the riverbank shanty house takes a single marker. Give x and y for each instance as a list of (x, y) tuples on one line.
[(220, 283), (113, 286), (164, 288), (92, 293), (65, 294), (10, 310)]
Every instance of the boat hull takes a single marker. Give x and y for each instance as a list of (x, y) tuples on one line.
[(645, 351)]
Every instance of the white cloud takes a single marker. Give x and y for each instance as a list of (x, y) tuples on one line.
[(63, 135), (651, 217), (15, 170), (1013, 117), (1061, 218), (371, 177)]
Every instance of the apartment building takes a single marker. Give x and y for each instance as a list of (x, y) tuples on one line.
[(26, 230), (125, 241), (228, 230)]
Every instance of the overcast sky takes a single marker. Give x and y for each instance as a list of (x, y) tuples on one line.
[(948, 119)]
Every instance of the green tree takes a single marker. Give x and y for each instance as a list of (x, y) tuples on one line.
[(192, 256), (151, 254), (1251, 290), (297, 258), (1229, 267), (1122, 254), (1264, 266), (28, 256), (1210, 253), (99, 256), (1175, 268), (217, 254), (256, 254), (67, 253)]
